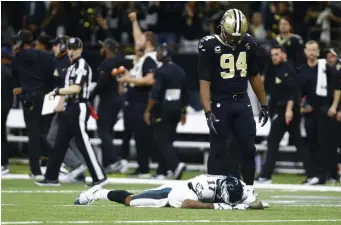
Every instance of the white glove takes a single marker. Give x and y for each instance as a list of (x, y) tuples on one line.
[(222, 206), (241, 207)]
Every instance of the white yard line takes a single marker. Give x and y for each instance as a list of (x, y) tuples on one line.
[(172, 221), (306, 197), (69, 205), (50, 191), (309, 205), (286, 187)]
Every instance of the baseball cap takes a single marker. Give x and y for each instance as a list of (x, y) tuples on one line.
[(74, 43), (111, 44), (332, 50), (59, 39)]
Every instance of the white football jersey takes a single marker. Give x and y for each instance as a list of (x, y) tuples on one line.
[(201, 188)]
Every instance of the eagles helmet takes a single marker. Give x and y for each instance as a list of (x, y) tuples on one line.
[(233, 26), (229, 190)]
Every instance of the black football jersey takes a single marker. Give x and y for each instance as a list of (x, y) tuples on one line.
[(229, 67)]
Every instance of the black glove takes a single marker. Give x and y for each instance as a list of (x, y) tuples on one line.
[(263, 115), (211, 119)]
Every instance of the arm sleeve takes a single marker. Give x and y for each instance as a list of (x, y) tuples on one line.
[(293, 85), (335, 77), (299, 57), (204, 66), (103, 76), (184, 94), (149, 66), (252, 68), (157, 89), (15, 73), (268, 77), (337, 82)]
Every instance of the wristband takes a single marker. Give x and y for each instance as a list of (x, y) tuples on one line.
[(57, 91)]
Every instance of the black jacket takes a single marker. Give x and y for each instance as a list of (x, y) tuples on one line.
[(285, 87), (6, 86), (33, 71)]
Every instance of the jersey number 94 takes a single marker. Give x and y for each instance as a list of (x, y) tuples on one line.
[(227, 62)]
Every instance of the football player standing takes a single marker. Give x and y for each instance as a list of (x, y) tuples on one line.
[(225, 65)]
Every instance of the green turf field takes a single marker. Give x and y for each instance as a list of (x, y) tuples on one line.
[(24, 203)]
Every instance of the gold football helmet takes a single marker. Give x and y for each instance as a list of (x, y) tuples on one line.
[(233, 26)]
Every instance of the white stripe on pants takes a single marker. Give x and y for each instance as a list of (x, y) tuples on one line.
[(89, 149)]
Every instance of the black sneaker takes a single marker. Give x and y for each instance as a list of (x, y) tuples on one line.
[(100, 182), (48, 183), (263, 180), (4, 170)]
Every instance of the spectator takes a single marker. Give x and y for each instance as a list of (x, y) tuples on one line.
[(166, 29), (292, 43), (334, 18), (34, 16), (53, 19), (277, 11), (213, 13), (257, 28), (192, 27), (7, 30)]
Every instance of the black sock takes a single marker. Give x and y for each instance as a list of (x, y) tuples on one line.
[(118, 196), (248, 170)]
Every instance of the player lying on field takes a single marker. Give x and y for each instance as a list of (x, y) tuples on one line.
[(201, 192)]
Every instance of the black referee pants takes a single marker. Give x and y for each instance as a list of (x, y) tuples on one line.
[(277, 131), (37, 128), (164, 135), (74, 124), (311, 125), (128, 121), (143, 137), (5, 108), (108, 109), (328, 137)]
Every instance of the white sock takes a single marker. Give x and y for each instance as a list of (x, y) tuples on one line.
[(102, 194)]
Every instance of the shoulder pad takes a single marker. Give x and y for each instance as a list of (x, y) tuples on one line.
[(249, 39), (206, 43)]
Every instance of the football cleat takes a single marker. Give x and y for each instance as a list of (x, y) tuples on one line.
[(87, 197), (48, 183)]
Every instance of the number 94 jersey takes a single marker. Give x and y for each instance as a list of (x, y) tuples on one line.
[(227, 67)]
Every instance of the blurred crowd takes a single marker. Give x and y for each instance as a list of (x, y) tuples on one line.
[(175, 22)]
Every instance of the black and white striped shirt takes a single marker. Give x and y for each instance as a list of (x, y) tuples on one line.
[(79, 73)]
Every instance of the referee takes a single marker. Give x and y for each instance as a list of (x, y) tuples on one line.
[(74, 121)]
